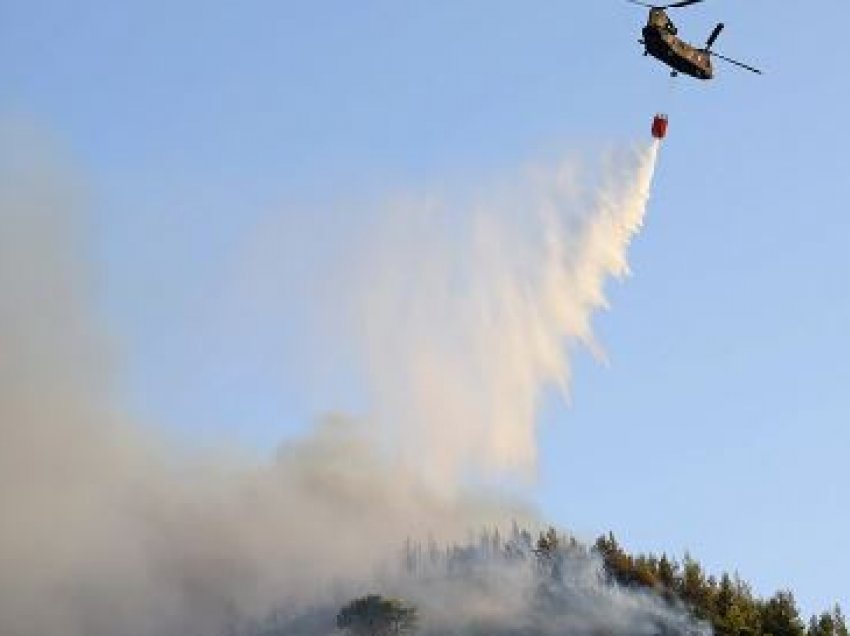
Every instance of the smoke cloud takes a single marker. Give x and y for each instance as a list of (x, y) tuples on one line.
[(461, 316)]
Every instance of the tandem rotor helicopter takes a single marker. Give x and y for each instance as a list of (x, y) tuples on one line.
[(661, 41)]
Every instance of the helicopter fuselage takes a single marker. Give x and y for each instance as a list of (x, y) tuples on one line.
[(661, 41)]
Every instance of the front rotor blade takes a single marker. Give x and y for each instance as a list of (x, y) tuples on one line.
[(736, 62), (643, 4), (684, 3)]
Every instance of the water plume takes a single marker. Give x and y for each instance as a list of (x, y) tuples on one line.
[(465, 309)]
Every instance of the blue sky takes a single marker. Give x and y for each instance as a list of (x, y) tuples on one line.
[(726, 397)]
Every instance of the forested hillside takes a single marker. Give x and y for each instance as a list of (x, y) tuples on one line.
[(727, 602), (551, 584)]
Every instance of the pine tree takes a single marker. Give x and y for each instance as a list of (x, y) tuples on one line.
[(840, 622), (780, 616)]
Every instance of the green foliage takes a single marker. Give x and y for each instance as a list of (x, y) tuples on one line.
[(375, 615), (728, 603), (828, 624), (780, 616)]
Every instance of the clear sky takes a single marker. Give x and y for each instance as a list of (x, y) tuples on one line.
[(720, 424)]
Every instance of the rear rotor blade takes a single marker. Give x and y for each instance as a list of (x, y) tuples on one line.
[(736, 62), (714, 35), (643, 4)]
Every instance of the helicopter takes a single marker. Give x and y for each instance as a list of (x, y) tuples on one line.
[(661, 41)]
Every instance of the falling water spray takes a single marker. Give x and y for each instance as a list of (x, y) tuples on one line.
[(461, 312), (467, 312)]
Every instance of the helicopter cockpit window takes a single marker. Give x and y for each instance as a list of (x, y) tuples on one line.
[(671, 28)]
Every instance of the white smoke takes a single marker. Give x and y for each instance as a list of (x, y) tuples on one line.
[(106, 531)]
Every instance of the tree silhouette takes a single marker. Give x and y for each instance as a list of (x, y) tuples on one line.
[(375, 615)]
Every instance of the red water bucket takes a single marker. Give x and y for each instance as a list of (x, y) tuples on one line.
[(659, 126)]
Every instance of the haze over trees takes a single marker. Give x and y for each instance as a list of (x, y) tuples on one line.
[(554, 585), (375, 615)]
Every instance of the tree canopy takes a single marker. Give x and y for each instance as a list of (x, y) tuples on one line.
[(375, 615), (728, 603)]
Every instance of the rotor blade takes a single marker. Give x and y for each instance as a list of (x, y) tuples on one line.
[(684, 3), (714, 35), (736, 62), (675, 5)]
